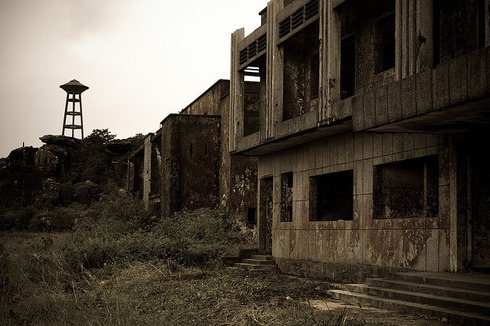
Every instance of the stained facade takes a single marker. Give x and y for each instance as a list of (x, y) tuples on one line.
[(187, 164), (372, 119)]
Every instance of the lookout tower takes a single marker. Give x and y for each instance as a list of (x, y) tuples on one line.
[(74, 90)]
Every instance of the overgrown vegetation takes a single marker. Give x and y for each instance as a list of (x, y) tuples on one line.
[(123, 266)]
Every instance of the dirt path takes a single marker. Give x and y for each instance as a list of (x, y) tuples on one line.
[(370, 314)]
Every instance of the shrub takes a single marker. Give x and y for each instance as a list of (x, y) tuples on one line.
[(16, 218), (120, 229)]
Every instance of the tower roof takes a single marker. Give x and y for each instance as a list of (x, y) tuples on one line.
[(74, 86)]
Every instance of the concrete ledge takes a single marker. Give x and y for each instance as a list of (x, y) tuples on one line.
[(464, 79), (336, 272)]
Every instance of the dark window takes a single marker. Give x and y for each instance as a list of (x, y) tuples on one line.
[(254, 98), (384, 43), (407, 189), (459, 28), (252, 217), (347, 66), (287, 197), (301, 71), (331, 196)]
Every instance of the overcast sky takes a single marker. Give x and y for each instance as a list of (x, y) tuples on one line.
[(142, 59)]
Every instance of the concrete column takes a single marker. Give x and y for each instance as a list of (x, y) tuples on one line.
[(458, 211), (275, 64), (332, 58), (237, 89), (323, 74)]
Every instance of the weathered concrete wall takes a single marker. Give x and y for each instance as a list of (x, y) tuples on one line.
[(135, 173), (416, 243), (190, 157), (238, 174), (208, 103), (147, 168), (156, 168)]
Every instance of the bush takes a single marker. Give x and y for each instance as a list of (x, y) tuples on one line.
[(120, 229), (16, 218)]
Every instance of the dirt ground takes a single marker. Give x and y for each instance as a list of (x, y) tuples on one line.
[(370, 314)]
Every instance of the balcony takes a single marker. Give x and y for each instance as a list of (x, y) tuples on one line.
[(449, 99)]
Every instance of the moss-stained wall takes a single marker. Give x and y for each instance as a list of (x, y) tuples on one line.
[(190, 159), (419, 243)]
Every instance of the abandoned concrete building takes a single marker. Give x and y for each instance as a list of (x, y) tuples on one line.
[(371, 135), (187, 162)]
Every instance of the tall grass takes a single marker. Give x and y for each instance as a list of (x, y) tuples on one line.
[(44, 276), (121, 265)]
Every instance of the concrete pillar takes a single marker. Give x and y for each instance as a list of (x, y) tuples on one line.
[(332, 58), (458, 211), (323, 9), (275, 68), (237, 89)]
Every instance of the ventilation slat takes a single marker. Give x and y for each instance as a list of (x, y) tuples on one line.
[(298, 18), (243, 56), (261, 43), (284, 27), (253, 49), (311, 9)]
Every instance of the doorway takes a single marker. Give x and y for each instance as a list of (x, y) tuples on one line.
[(480, 207), (265, 216)]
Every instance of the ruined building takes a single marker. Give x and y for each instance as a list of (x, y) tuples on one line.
[(371, 135), (187, 162)]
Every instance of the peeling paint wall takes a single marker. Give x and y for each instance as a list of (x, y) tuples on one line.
[(418, 243)]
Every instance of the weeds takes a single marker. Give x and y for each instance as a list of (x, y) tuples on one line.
[(122, 266)]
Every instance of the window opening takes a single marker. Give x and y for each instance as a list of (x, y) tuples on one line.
[(384, 43), (347, 66), (458, 28), (254, 99), (252, 216), (407, 189), (301, 72), (331, 196)]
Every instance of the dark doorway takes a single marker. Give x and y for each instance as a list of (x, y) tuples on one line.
[(265, 216), (480, 208)]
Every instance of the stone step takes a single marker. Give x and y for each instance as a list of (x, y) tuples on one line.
[(472, 282), (437, 290), (255, 267), (258, 261), (262, 257), (422, 298), (461, 317)]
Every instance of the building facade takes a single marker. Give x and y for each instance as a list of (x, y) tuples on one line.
[(187, 163), (373, 119)]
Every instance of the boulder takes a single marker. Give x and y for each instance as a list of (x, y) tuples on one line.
[(23, 156), (60, 141)]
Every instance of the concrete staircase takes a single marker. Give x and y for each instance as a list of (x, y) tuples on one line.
[(460, 298), (257, 263)]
